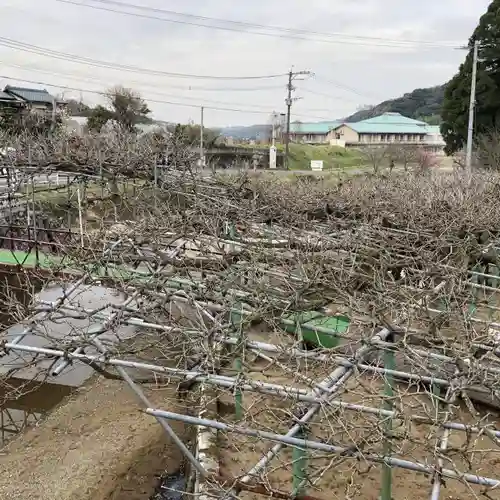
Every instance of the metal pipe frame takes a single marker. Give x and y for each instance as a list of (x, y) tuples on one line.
[(229, 382), (315, 445)]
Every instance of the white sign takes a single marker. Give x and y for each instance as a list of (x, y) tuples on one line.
[(272, 157), (316, 164)]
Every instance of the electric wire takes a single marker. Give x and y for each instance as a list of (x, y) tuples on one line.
[(245, 27), (158, 101), (35, 49)]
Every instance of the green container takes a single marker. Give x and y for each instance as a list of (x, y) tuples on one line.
[(305, 324)]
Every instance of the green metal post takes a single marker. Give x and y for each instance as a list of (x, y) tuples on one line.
[(238, 394), (237, 321), (389, 364), (494, 270), (299, 467)]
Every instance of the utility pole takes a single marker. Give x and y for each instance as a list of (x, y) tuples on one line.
[(472, 106), (53, 117), (289, 101), (202, 152)]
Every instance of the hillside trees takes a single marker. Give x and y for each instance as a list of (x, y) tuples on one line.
[(457, 93)]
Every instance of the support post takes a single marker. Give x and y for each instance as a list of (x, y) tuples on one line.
[(288, 118), (80, 214), (299, 466), (237, 321), (472, 106), (202, 151), (389, 364)]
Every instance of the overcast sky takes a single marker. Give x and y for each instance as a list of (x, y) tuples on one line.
[(349, 72)]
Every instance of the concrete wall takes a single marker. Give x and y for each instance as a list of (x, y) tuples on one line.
[(343, 133)]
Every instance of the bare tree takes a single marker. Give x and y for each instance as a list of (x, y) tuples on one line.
[(426, 161), (404, 155), (215, 275), (375, 156)]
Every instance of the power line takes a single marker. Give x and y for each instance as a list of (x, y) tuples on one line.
[(156, 101), (95, 80), (35, 49), (135, 82), (344, 87), (245, 27)]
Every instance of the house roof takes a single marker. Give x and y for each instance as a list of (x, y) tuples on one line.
[(386, 123), (7, 97), (30, 95), (389, 123), (313, 128)]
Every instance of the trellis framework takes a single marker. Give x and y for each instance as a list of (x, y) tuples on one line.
[(321, 396), (415, 317)]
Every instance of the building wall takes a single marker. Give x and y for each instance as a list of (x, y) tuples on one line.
[(309, 138), (391, 139), (343, 134)]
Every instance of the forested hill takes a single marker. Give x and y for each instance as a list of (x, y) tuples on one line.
[(421, 104)]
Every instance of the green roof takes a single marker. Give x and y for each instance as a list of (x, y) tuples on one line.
[(389, 123), (313, 128), (386, 123)]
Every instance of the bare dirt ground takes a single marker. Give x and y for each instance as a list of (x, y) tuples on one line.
[(96, 445)]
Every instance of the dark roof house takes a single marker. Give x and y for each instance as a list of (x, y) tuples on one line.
[(31, 96), (9, 100)]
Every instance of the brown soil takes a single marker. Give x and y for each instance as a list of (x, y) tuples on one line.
[(96, 445)]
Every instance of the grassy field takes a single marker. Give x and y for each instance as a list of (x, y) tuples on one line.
[(334, 157)]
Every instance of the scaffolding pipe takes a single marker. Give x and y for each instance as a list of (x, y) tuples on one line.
[(328, 448), (104, 327), (334, 381), (443, 444), (254, 386), (142, 397), (389, 363), (43, 316)]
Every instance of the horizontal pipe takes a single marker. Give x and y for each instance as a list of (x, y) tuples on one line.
[(328, 448), (232, 382)]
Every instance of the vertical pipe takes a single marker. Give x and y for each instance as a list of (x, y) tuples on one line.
[(80, 215), (389, 364), (35, 235), (332, 383), (299, 466), (142, 397), (237, 320), (69, 205), (202, 152), (238, 393)]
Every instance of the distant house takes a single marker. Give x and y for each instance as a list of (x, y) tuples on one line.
[(312, 133), (34, 99), (10, 101), (383, 130), (387, 128)]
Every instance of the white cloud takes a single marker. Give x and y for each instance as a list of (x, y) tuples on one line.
[(374, 72)]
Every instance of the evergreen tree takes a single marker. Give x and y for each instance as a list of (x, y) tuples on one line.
[(457, 94)]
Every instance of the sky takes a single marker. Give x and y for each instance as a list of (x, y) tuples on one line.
[(368, 51)]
